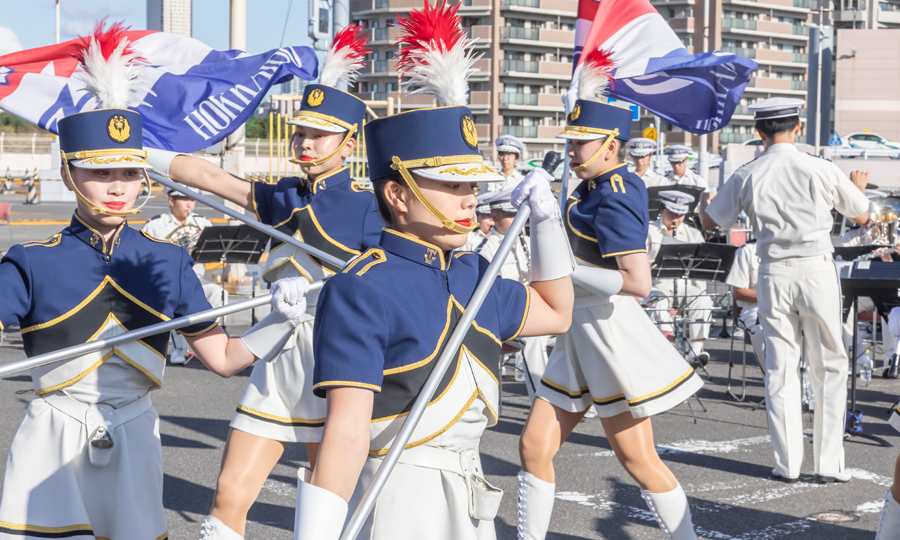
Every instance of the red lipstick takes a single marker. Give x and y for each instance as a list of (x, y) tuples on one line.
[(115, 205), (464, 222)]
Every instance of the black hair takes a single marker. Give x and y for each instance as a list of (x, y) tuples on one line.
[(773, 126), (622, 152), (384, 209)]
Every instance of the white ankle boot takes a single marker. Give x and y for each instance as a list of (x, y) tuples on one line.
[(534, 505), (672, 513), (214, 529), (889, 526)]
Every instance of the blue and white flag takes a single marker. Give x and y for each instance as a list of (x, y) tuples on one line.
[(194, 95), (696, 92)]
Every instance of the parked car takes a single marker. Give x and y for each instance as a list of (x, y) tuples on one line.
[(753, 142), (869, 141)]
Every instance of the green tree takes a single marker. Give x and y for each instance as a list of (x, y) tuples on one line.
[(10, 123)]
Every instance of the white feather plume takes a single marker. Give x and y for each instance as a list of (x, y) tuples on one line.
[(593, 76), (443, 74), (340, 67), (114, 81)]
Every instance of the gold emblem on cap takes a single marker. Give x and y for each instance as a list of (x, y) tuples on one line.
[(316, 97), (118, 128), (576, 112), (430, 255), (468, 131)]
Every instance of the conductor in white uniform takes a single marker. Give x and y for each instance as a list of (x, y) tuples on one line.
[(788, 197), (516, 266), (670, 227), (179, 225), (641, 151), (681, 174)]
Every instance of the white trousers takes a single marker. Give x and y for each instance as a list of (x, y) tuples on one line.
[(797, 295)]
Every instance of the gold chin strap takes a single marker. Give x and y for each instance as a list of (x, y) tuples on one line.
[(400, 166), (610, 135), (318, 162), (107, 211)]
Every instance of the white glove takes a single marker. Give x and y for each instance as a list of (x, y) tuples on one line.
[(289, 298), (535, 189), (161, 160)]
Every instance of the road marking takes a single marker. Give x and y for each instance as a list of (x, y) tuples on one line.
[(697, 446), (870, 507), (860, 474), (280, 488)]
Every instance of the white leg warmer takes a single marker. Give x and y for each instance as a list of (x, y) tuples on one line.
[(889, 526), (214, 529), (672, 513), (534, 505)]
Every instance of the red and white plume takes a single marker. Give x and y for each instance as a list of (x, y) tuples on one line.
[(345, 57), (436, 55), (593, 78), (110, 66)]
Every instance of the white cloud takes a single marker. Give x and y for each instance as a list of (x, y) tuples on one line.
[(9, 41)]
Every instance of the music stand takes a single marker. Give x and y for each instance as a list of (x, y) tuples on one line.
[(653, 198), (877, 289), (229, 244)]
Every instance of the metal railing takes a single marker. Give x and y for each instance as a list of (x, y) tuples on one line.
[(744, 24), (726, 138), (745, 52), (380, 34), (520, 131), (509, 98), (800, 58), (379, 66), (526, 66), (522, 3), (798, 85), (518, 32), (800, 30), (808, 4)]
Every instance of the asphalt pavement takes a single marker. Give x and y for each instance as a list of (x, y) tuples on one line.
[(721, 456)]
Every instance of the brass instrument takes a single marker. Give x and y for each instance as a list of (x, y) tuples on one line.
[(885, 212), (185, 236)]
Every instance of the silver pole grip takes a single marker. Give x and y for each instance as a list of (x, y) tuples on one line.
[(159, 328), (248, 220)]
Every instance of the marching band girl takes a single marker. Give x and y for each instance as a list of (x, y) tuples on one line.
[(595, 364), (384, 320), (328, 210)]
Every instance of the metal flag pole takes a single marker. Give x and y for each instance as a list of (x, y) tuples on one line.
[(248, 220), (159, 328), (551, 161)]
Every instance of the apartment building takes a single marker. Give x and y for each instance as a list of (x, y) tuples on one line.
[(527, 62), (866, 14), (172, 16)]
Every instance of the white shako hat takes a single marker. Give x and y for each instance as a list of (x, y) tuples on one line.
[(676, 202), (501, 200), (677, 153), (641, 147), (508, 143)]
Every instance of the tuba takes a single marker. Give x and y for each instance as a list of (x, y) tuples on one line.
[(885, 212), (185, 236)]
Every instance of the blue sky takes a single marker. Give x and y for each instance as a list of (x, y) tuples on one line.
[(26, 24)]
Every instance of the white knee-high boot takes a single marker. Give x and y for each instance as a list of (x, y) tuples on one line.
[(672, 513), (214, 529), (534, 505), (889, 526)]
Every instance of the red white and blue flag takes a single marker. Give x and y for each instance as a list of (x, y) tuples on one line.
[(696, 92), (195, 96)]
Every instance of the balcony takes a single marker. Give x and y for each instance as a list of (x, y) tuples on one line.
[(569, 6), (743, 24), (523, 3), (385, 34), (517, 32), (737, 138), (566, 37), (681, 24), (481, 33), (483, 130), (773, 55), (527, 132), (799, 30), (773, 27), (806, 4), (740, 51), (479, 99), (798, 85), (518, 99), (558, 69), (522, 66)]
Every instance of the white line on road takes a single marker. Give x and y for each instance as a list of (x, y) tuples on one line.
[(696, 446)]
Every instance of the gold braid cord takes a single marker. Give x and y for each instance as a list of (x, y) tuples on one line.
[(448, 223), (318, 162), (610, 135), (107, 211)]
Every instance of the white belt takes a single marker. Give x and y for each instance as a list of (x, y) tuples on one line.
[(483, 497), (99, 420)]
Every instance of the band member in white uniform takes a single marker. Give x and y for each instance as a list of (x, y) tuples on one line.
[(743, 279), (485, 224), (681, 174), (509, 150), (518, 267), (788, 196), (384, 320), (182, 226), (86, 462), (328, 210), (670, 227), (597, 363), (889, 525), (641, 151)]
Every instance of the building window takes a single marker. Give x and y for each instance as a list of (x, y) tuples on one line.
[(687, 41)]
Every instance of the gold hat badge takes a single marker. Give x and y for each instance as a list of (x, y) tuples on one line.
[(316, 97), (118, 128)]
